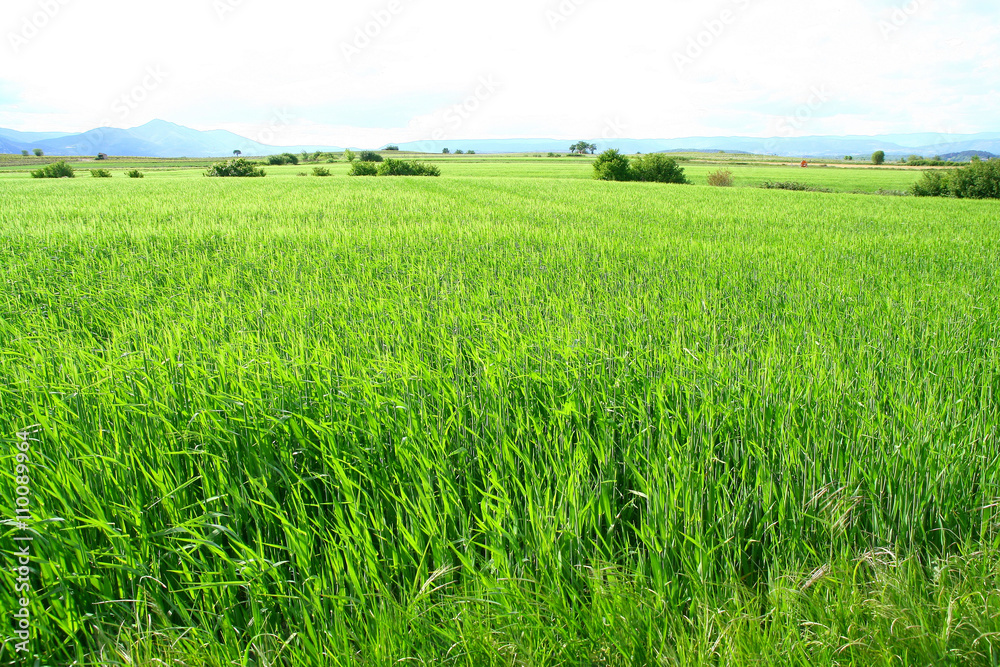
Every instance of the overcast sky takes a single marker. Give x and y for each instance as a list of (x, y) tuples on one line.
[(306, 72)]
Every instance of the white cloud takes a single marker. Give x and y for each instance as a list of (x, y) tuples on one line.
[(567, 68)]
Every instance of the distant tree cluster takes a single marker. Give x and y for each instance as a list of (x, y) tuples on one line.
[(236, 168), (611, 165), (582, 147), (978, 180), (284, 158)]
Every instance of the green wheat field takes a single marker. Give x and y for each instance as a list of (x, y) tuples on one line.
[(510, 416)]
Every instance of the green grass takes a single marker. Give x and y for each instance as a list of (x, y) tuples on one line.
[(746, 170), (303, 421)]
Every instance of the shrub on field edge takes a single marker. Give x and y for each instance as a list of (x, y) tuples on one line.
[(792, 185), (55, 170), (394, 167), (284, 158), (100, 173), (238, 168), (658, 168), (611, 165), (978, 180), (370, 156), (722, 178), (134, 173), (321, 171), (363, 169)]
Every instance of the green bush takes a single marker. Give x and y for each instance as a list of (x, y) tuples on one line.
[(100, 173), (284, 158), (657, 168), (393, 167), (238, 168), (39, 152), (134, 173), (612, 166), (933, 184), (55, 170), (369, 156), (978, 180), (878, 157), (349, 155), (25, 153), (321, 171), (359, 168)]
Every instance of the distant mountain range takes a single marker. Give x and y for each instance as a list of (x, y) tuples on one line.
[(157, 138), (160, 138)]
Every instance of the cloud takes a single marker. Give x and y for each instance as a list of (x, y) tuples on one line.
[(568, 67)]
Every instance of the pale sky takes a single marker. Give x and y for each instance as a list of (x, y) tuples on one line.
[(305, 72)]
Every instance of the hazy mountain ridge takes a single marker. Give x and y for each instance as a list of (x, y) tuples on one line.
[(156, 138), (160, 138)]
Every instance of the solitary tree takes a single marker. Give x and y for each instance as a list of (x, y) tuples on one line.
[(237, 153), (446, 152), (25, 153), (349, 155), (39, 152), (878, 157)]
